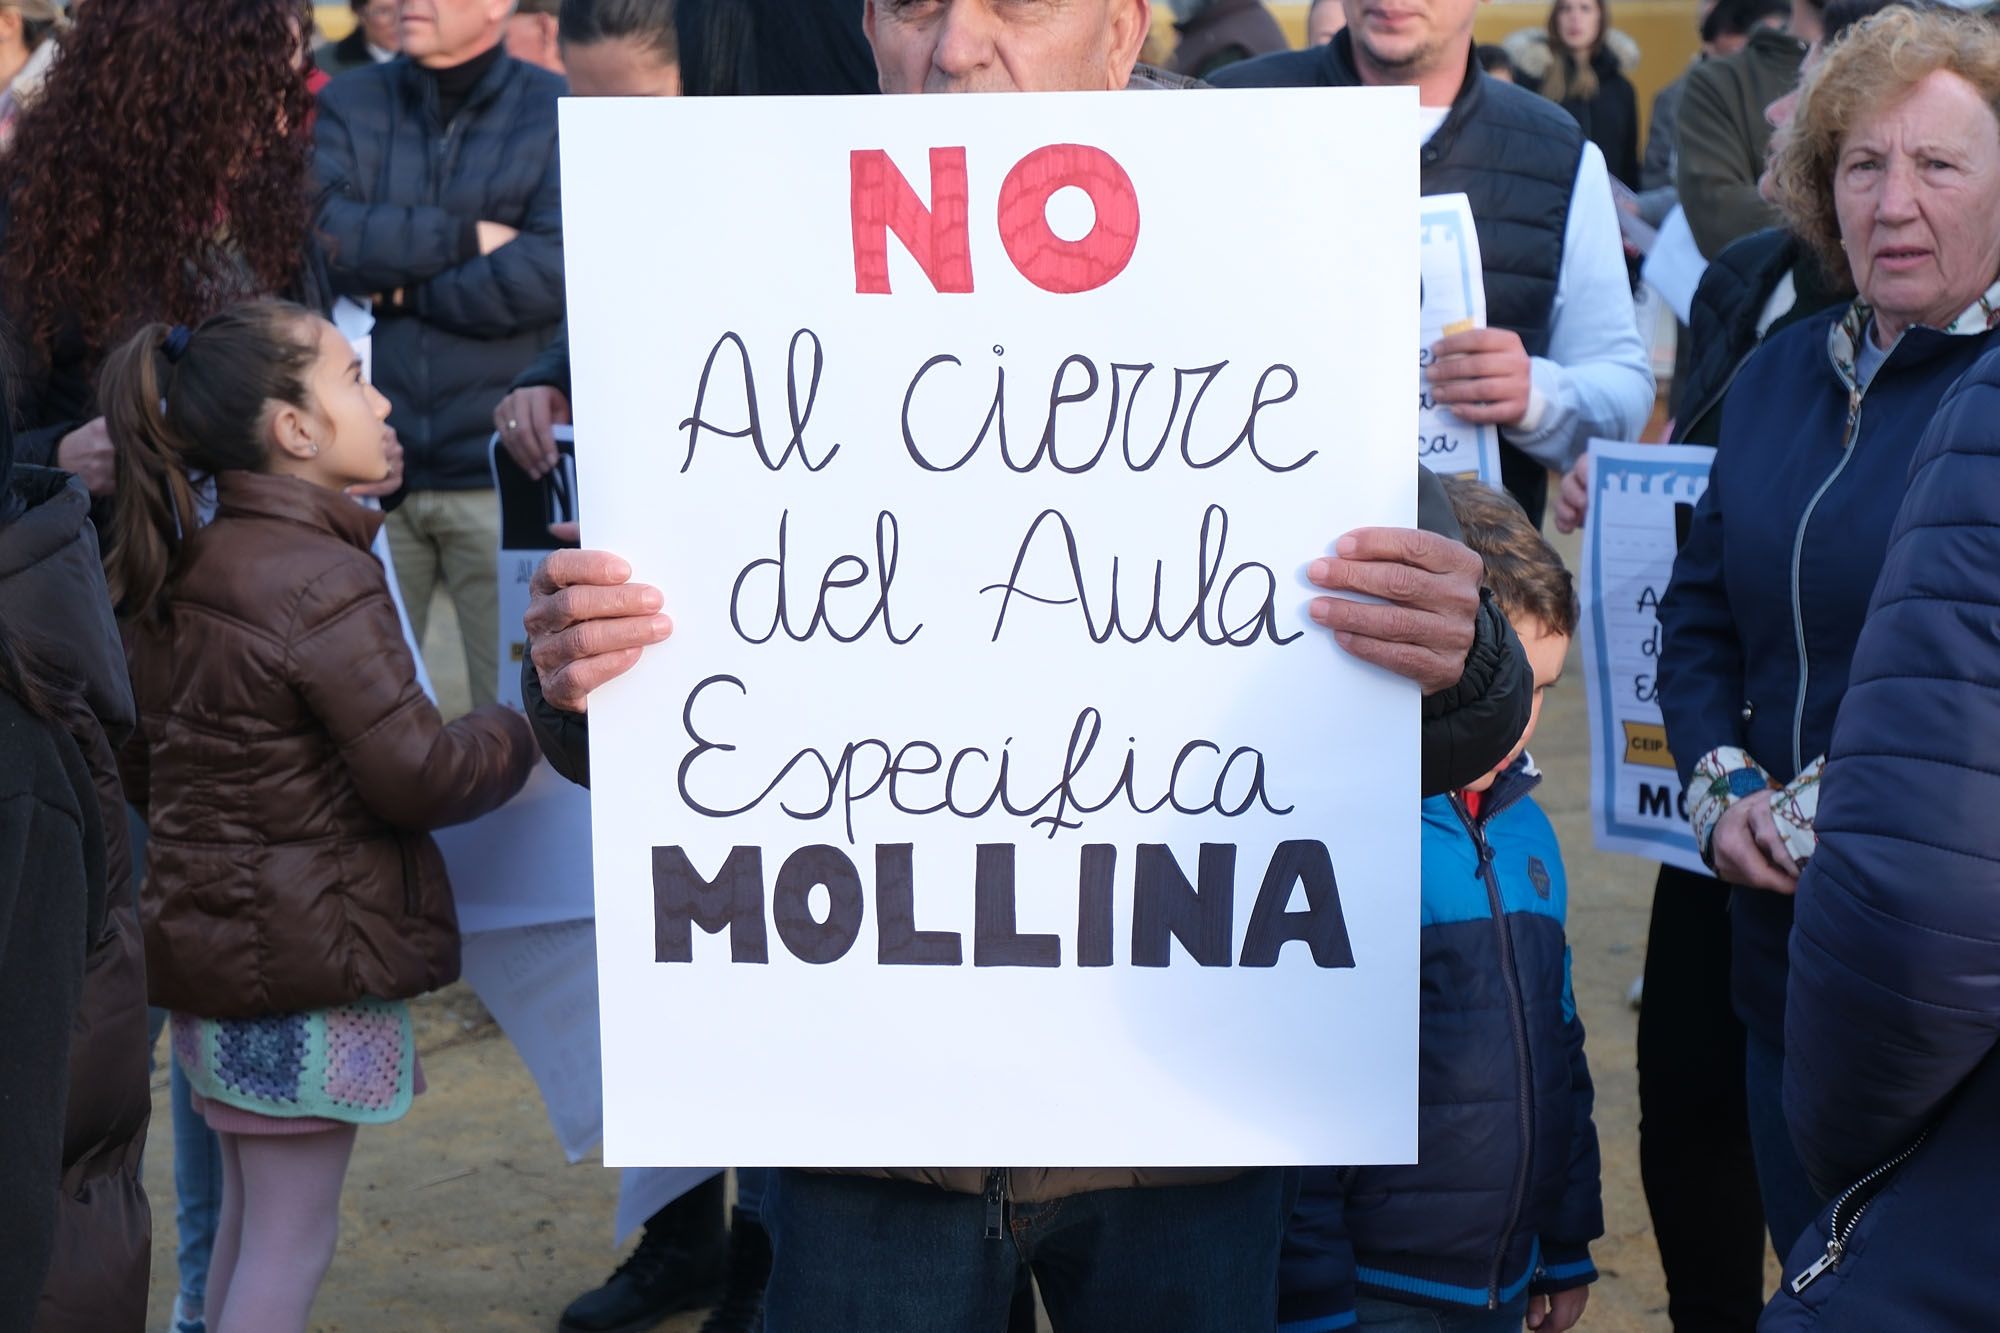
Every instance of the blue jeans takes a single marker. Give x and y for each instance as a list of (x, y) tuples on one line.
[(752, 1182), (1789, 1201), (1396, 1317), (197, 1193), (896, 1257)]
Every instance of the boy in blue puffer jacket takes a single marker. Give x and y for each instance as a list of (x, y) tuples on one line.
[(1492, 1228)]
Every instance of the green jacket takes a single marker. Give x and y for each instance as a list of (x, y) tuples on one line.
[(1724, 136)]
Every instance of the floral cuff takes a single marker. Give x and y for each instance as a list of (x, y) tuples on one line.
[(1722, 777), (1795, 809)]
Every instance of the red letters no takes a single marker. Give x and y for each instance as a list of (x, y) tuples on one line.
[(1046, 259), (937, 237)]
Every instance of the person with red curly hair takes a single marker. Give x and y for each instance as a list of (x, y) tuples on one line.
[(161, 175)]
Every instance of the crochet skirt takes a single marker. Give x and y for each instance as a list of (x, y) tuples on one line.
[(353, 1064)]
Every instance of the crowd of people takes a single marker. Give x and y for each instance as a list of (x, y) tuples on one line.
[(265, 303)]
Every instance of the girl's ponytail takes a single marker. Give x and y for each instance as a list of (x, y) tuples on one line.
[(178, 401), (153, 507)]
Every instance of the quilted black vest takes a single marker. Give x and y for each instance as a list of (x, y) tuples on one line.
[(1514, 154)]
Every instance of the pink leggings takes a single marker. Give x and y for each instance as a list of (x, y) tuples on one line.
[(274, 1239)]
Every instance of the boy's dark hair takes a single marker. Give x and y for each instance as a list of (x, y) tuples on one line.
[(1527, 577), (1494, 59)]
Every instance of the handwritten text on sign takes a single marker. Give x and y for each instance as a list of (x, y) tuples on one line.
[(1454, 300), (1641, 500), (980, 454)]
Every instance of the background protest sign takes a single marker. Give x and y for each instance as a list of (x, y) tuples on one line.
[(1454, 299), (527, 863), (980, 446), (1642, 497)]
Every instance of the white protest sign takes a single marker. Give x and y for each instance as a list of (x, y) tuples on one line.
[(1641, 498), (1454, 299), (995, 745)]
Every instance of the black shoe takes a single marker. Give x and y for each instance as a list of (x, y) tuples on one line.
[(741, 1309), (662, 1277)]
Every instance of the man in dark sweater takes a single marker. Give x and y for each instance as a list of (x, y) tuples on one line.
[(443, 207)]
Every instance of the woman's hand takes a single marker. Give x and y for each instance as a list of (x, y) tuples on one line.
[(1748, 850), (86, 451)]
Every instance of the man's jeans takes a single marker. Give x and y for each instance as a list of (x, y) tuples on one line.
[(895, 1257)]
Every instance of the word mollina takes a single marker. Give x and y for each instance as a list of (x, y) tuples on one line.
[(1165, 906)]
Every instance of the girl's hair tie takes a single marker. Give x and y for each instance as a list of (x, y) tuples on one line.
[(177, 342)]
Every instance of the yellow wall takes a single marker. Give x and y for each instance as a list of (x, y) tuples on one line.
[(333, 21)]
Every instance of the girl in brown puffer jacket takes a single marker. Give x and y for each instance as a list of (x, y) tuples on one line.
[(291, 769)]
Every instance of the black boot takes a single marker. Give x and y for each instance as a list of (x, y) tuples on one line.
[(741, 1309), (678, 1265)]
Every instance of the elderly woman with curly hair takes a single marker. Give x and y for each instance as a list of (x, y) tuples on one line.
[(1891, 172), (161, 175)]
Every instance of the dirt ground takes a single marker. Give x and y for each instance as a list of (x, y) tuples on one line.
[(464, 1216)]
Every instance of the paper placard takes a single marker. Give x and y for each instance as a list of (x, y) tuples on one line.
[(1642, 497), (947, 468), (1454, 299)]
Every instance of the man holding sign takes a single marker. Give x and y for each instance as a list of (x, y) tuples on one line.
[(1192, 1248)]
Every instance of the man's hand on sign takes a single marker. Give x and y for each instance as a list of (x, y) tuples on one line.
[(1429, 585), (587, 623), (1483, 376), (1557, 1313), (527, 419), (390, 484), (1748, 849), (86, 451), (1573, 500)]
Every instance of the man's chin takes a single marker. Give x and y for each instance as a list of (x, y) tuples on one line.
[(1391, 55)]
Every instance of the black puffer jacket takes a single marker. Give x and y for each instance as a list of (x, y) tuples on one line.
[(52, 902), (405, 191), (53, 597)]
